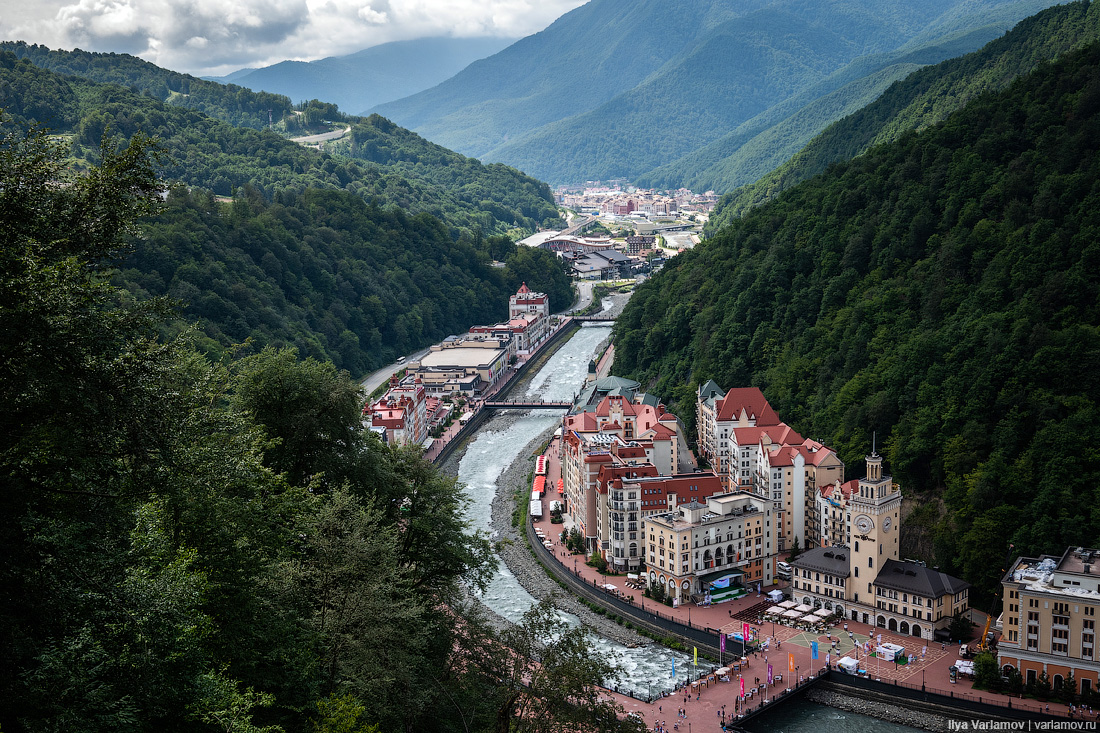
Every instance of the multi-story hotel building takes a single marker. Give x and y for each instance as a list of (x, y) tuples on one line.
[(753, 450), (865, 581), (1051, 605), (699, 549)]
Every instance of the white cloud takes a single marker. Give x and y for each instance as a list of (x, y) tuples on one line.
[(215, 36)]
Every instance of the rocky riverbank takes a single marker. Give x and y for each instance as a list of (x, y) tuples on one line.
[(881, 710), (513, 548)]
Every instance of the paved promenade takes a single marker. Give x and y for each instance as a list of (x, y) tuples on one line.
[(706, 702)]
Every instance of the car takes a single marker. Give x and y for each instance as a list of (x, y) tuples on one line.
[(783, 566)]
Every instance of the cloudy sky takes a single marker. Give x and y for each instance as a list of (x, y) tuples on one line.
[(204, 37)]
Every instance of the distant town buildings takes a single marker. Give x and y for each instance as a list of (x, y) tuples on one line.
[(1051, 604), (650, 203)]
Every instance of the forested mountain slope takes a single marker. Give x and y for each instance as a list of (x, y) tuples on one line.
[(350, 260), (197, 545), (943, 291), (229, 103), (924, 98), (609, 90)]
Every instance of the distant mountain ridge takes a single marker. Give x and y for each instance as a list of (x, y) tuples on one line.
[(359, 81), (616, 89), (923, 98)]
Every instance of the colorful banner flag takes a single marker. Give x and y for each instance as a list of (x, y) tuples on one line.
[(790, 663), (813, 650), (769, 673), (742, 687), (745, 632), (674, 668), (722, 642), (695, 649)]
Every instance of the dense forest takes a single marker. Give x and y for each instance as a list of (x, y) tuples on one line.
[(924, 98), (323, 271), (227, 102), (198, 545), (348, 259), (942, 291)]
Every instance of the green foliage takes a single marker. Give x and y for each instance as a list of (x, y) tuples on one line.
[(227, 102), (987, 673), (188, 543), (935, 290), (796, 550), (924, 98)]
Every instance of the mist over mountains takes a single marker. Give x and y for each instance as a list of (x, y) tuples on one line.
[(373, 76)]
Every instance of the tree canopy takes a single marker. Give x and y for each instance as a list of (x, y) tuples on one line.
[(192, 544), (941, 290)]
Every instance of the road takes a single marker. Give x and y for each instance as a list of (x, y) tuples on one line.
[(374, 380), (322, 137)]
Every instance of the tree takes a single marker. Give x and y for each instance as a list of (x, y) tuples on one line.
[(987, 675), (960, 627), (545, 676), (309, 409), (796, 550)]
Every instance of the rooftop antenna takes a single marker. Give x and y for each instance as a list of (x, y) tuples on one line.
[(874, 435)]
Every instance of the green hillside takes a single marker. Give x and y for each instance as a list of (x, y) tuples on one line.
[(229, 103), (642, 90), (199, 545), (354, 261), (942, 291), (759, 145), (924, 98)]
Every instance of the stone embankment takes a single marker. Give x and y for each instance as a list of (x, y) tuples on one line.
[(513, 548), (881, 710)]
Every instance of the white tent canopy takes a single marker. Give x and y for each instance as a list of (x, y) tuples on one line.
[(788, 604), (810, 618), (803, 608), (792, 614), (823, 612)]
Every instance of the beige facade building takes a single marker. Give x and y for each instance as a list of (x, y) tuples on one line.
[(864, 581), (1051, 605), (699, 550), (753, 450)]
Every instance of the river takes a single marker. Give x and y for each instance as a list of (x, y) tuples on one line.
[(644, 670)]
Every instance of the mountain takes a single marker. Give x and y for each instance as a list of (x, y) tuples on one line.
[(233, 104), (616, 89), (924, 98), (942, 291), (349, 260), (359, 81)]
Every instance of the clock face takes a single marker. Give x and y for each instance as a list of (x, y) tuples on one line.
[(886, 524), (863, 523)]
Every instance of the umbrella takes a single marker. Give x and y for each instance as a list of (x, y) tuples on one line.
[(823, 612), (787, 604), (791, 614), (803, 608), (810, 618)]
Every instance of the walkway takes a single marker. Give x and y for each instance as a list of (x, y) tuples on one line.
[(784, 645)]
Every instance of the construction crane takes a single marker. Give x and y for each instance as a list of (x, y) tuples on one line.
[(986, 642)]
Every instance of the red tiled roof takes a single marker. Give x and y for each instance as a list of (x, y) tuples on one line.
[(752, 401)]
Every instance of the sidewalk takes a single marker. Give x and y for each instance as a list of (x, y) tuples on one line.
[(787, 646)]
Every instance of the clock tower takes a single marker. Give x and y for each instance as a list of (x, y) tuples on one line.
[(873, 529)]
